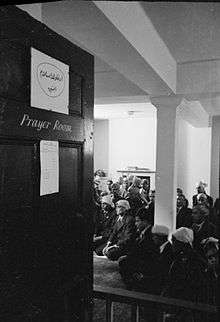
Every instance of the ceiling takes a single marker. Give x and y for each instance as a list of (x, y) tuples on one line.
[(124, 110), (189, 29), (101, 66), (110, 83)]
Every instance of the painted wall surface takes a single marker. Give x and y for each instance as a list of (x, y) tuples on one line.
[(132, 142), (194, 157), (119, 143), (215, 157), (101, 145)]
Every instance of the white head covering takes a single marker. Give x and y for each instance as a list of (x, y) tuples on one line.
[(123, 203), (184, 235), (208, 240), (130, 178), (160, 230), (136, 181), (201, 183), (108, 199)]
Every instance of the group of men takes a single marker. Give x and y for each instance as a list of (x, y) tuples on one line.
[(183, 264)]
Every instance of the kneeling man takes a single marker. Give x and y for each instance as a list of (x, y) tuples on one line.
[(123, 234)]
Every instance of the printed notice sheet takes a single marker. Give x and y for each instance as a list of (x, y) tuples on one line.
[(49, 162)]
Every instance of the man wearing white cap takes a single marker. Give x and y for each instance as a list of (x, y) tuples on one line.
[(160, 235), (186, 271), (200, 187), (123, 234), (105, 224), (184, 235)]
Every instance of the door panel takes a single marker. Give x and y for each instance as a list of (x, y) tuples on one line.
[(75, 105), (45, 241), (70, 175), (16, 174)]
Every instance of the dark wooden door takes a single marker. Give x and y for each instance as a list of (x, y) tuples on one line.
[(45, 253)]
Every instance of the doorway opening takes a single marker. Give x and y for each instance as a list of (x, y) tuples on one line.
[(124, 149)]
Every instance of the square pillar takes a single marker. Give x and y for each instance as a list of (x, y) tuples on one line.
[(166, 159), (215, 156)]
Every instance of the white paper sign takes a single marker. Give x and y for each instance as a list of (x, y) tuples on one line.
[(49, 162), (49, 83)]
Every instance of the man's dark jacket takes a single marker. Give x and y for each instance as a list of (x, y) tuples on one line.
[(209, 199), (123, 233), (184, 217)]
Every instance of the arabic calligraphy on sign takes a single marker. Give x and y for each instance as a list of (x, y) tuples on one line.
[(51, 79)]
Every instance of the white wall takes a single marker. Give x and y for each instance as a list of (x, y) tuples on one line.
[(194, 155), (215, 157), (101, 145), (119, 143), (132, 142)]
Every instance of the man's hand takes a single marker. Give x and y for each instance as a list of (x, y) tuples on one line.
[(113, 246), (107, 247), (96, 238)]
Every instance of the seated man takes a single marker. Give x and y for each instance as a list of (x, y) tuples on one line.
[(160, 236), (210, 247), (144, 191), (179, 192), (124, 188), (203, 200), (151, 205), (201, 225), (133, 196), (208, 293), (123, 234), (115, 192), (109, 185), (138, 269), (200, 187), (186, 273), (183, 214), (105, 224)]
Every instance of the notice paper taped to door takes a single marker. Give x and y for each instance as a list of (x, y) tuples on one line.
[(49, 163)]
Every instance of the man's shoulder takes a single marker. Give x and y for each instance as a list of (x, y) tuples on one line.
[(168, 247)]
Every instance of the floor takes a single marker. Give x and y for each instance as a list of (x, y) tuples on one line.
[(106, 274)]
